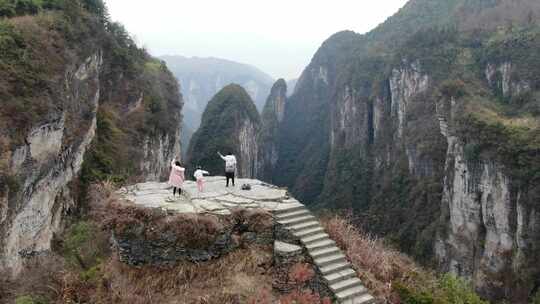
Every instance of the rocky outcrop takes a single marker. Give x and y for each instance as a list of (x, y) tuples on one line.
[(80, 115), (157, 154), (490, 230), (200, 226), (43, 169), (249, 149), (271, 118), (405, 83), (166, 240), (502, 79)]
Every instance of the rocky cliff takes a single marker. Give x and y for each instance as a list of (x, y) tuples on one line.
[(230, 123), (75, 99), (271, 118), (428, 130), (39, 196)]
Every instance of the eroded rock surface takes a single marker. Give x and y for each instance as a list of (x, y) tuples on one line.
[(216, 198)]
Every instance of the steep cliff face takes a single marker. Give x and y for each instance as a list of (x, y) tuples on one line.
[(70, 115), (430, 137), (271, 118), (230, 123), (303, 135), (157, 155), (44, 167), (492, 221)]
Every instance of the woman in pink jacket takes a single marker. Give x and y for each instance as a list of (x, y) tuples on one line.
[(176, 178)]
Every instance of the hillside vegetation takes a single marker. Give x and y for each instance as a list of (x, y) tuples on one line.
[(364, 131), (39, 40)]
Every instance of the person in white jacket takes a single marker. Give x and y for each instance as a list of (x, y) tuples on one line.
[(230, 167), (199, 177)]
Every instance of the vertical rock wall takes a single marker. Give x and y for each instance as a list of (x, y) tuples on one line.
[(272, 116), (492, 231), (157, 155), (396, 154), (248, 147), (44, 167)]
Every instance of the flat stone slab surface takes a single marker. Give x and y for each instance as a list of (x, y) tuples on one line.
[(215, 199)]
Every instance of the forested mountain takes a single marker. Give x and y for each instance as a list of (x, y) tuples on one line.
[(201, 78), (428, 128), (230, 124), (80, 103)]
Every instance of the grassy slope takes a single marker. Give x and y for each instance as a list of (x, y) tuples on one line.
[(391, 275)]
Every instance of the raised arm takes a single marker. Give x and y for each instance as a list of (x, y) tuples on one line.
[(222, 157), (205, 172)]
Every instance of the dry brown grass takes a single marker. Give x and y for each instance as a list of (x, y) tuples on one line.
[(238, 277), (245, 275), (232, 279), (42, 277), (191, 230), (377, 265)]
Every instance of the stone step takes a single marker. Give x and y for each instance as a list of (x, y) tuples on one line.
[(345, 284), (323, 252), (326, 270), (292, 214), (327, 243), (340, 276), (308, 232), (365, 298), (350, 293), (321, 262), (297, 220), (303, 226), (314, 238), (294, 207)]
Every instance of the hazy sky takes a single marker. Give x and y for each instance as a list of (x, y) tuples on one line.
[(277, 36)]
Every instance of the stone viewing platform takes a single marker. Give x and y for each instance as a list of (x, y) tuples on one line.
[(216, 198), (294, 231)]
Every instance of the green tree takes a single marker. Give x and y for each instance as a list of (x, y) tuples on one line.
[(24, 7), (7, 8), (98, 8)]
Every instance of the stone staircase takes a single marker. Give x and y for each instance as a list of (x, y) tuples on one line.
[(330, 260)]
